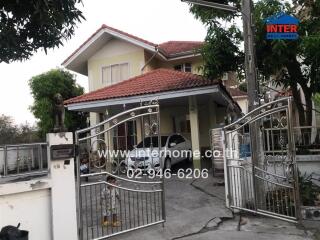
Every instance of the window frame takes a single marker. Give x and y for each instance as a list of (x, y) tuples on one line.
[(110, 66), (182, 66)]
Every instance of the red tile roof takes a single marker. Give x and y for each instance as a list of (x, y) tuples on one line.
[(234, 92), (159, 80), (175, 47), (168, 48)]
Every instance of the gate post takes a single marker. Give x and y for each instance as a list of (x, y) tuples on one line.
[(218, 143), (292, 152), (63, 194)]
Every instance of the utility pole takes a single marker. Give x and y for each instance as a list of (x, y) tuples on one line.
[(251, 76), (250, 54), (252, 90), (249, 47)]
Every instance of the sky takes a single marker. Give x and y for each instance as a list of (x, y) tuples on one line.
[(153, 20)]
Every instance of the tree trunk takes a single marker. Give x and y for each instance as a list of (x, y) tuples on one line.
[(308, 113), (309, 108), (296, 77), (304, 111), (297, 100)]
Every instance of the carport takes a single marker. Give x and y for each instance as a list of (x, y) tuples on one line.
[(189, 104)]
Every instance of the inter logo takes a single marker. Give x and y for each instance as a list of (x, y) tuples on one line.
[(282, 26)]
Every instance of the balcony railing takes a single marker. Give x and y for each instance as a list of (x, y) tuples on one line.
[(23, 160)]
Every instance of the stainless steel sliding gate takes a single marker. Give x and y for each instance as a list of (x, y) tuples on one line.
[(103, 154)]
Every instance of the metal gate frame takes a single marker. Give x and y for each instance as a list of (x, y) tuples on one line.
[(141, 203), (264, 181)]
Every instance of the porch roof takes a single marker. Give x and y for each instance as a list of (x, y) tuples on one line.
[(154, 83)]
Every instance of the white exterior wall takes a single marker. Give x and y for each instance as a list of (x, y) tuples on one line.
[(243, 103), (46, 206), (28, 203), (114, 52), (308, 164)]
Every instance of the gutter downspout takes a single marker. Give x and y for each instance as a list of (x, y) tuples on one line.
[(150, 59)]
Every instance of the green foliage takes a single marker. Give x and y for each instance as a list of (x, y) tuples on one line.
[(43, 88), (308, 190), (317, 100), (243, 87), (221, 53), (11, 133), (7, 130), (26, 26), (294, 64)]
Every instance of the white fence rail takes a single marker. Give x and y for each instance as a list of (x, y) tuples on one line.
[(23, 160)]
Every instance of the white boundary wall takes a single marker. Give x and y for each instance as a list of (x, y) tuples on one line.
[(46, 206)]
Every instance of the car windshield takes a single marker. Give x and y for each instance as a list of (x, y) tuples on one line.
[(146, 143)]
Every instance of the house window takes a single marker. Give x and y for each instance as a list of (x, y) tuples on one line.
[(115, 73), (185, 67), (178, 67)]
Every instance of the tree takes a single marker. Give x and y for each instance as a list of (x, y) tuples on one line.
[(26, 26), (43, 88), (317, 100), (8, 130), (293, 64), (243, 87), (10, 133)]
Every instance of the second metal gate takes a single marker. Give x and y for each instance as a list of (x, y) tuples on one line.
[(260, 167)]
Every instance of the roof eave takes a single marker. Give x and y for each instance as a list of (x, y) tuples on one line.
[(80, 106), (77, 54), (182, 55)]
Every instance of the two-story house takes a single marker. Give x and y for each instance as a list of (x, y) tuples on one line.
[(124, 70)]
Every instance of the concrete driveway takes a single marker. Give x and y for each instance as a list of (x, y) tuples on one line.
[(195, 210)]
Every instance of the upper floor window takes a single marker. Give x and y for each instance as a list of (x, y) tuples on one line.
[(185, 67), (115, 73)]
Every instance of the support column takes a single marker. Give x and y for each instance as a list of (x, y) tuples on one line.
[(138, 130), (195, 135), (63, 190), (94, 120), (212, 114)]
